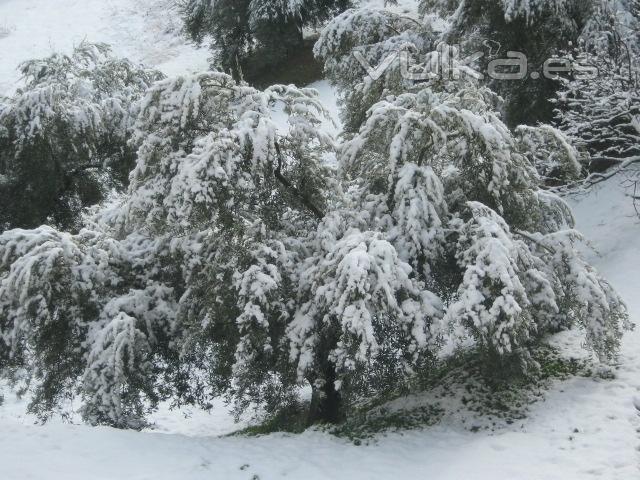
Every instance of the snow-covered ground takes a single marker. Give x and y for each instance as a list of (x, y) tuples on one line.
[(146, 31), (584, 428)]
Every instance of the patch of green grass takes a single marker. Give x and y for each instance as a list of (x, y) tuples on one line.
[(554, 366), (503, 398), (460, 387), (289, 420), (366, 425)]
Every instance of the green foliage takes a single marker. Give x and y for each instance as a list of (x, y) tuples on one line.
[(458, 387), (250, 38), (366, 425), (539, 32), (63, 136)]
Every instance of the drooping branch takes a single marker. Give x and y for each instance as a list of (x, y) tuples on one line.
[(531, 238)]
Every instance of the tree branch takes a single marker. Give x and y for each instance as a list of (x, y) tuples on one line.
[(531, 238), (304, 199), (596, 178)]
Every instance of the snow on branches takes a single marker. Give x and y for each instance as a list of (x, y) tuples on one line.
[(63, 135), (493, 299), (359, 307), (367, 36), (208, 148), (120, 361), (213, 162), (586, 299), (439, 161), (555, 158), (78, 313)]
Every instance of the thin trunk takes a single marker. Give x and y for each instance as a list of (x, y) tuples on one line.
[(326, 402)]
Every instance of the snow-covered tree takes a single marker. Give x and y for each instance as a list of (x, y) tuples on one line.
[(240, 263), (601, 113), (78, 317), (260, 192), (63, 136), (126, 297), (438, 156), (361, 318), (495, 300), (363, 41), (249, 37)]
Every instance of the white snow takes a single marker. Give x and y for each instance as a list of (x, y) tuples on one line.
[(146, 31), (327, 95), (584, 428)]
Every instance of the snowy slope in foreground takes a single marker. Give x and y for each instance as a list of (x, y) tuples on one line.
[(145, 31), (584, 428)]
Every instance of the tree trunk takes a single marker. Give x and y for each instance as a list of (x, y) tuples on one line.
[(326, 402)]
